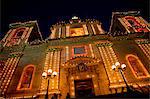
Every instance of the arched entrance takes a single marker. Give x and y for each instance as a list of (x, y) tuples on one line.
[(82, 74), (84, 88)]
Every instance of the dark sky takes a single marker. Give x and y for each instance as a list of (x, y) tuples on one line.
[(48, 12)]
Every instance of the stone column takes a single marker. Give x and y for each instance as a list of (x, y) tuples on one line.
[(100, 29), (6, 36), (126, 26), (67, 31), (59, 35), (93, 29), (28, 34), (25, 32), (85, 29), (52, 36)]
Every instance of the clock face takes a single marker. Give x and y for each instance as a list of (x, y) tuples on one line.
[(76, 31)]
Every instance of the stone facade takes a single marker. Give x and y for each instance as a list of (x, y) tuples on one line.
[(81, 53)]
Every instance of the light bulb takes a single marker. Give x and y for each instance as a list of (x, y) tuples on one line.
[(49, 71), (54, 73), (44, 74), (123, 66), (113, 67), (117, 63)]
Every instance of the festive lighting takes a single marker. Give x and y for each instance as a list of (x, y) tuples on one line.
[(123, 66), (113, 67), (44, 74), (49, 71), (117, 63), (54, 73)]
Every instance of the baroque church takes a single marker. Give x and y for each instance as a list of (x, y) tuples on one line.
[(78, 59)]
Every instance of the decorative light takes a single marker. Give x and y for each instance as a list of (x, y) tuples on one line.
[(93, 75), (72, 93), (123, 66), (49, 71), (87, 76), (54, 73), (77, 77), (49, 75), (44, 74), (72, 88), (117, 63), (95, 85), (120, 80), (113, 67)]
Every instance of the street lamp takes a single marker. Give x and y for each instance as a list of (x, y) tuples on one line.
[(48, 75), (121, 68)]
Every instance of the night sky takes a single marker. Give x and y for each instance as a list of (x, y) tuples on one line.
[(48, 12)]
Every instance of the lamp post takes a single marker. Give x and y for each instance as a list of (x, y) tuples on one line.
[(48, 75), (121, 68)]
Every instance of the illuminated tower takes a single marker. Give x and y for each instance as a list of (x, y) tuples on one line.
[(76, 27), (21, 33), (125, 23), (13, 45)]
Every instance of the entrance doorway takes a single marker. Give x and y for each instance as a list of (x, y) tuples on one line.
[(84, 88)]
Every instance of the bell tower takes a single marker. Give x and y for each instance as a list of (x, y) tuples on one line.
[(124, 23), (76, 27), (21, 33)]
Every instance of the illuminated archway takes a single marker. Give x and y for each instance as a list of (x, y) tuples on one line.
[(136, 66), (19, 32), (26, 79)]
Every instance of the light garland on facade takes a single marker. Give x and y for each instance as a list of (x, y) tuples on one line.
[(100, 29), (52, 36), (25, 32), (44, 82), (67, 53), (91, 49), (28, 34), (93, 29), (8, 72), (7, 34), (59, 35), (109, 58), (54, 69), (144, 46), (124, 24), (52, 61), (85, 29), (67, 31)]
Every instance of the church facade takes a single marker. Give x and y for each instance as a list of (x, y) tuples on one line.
[(80, 53)]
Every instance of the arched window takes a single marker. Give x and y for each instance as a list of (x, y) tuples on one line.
[(19, 32), (26, 79), (136, 66)]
